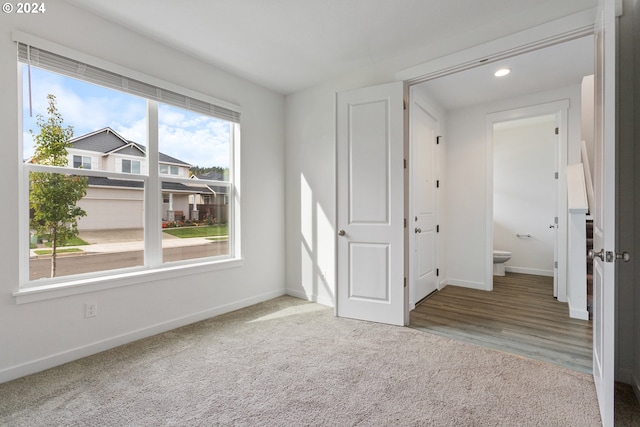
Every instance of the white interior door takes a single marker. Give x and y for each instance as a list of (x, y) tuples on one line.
[(604, 215), (423, 219), (370, 204)]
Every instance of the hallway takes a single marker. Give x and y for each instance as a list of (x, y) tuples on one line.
[(520, 316)]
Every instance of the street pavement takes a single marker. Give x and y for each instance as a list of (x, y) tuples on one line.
[(115, 241), (118, 249)]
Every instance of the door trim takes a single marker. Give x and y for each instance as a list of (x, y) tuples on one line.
[(571, 27)]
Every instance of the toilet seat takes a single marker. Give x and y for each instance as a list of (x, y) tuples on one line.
[(499, 258)]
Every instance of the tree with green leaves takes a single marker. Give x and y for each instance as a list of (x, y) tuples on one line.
[(53, 197)]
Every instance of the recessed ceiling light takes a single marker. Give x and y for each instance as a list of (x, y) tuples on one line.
[(502, 72)]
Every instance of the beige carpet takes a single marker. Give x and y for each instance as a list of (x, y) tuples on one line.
[(289, 362)]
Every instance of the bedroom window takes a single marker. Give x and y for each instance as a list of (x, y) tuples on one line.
[(196, 197), (130, 216)]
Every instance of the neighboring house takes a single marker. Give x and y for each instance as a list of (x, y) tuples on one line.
[(118, 204), (212, 205)]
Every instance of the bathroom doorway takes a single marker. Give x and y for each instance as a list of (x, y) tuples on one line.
[(527, 190), (525, 195)]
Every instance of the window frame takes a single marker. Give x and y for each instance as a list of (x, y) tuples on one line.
[(82, 161), (153, 269), (132, 163), (170, 169)]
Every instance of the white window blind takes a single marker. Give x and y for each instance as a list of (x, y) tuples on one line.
[(72, 68)]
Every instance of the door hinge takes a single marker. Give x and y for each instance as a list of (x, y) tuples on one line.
[(555, 175), (405, 163), (557, 131), (555, 220), (405, 282), (438, 183), (555, 264), (404, 104), (438, 228), (437, 272), (438, 140), (405, 223)]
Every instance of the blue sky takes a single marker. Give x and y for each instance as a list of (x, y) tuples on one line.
[(194, 138)]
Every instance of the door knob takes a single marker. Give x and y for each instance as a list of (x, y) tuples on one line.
[(552, 226), (592, 255), (341, 233), (418, 230), (623, 256)]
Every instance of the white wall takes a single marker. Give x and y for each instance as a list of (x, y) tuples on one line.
[(524, 193), (40, 334), (588, 103), (310, 162), (311, 185), (467, 179)]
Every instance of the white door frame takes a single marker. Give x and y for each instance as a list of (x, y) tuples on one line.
[(565, 29), (560, 110)]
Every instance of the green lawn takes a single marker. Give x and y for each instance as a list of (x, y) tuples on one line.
[(59, 251), (202, 231), (76, 241)]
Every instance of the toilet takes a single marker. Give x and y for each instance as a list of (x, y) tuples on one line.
[(499, 258)]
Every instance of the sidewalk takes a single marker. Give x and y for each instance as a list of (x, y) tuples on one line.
[(115, 241)]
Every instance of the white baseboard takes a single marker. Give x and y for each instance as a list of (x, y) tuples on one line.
[(310, 297), (533, 271), (33, 366), (577, 313), (467, 284)]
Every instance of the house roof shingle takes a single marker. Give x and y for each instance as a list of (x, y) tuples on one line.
[(108, 141)]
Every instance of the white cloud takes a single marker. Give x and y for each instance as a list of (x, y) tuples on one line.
[(136, 131), (196, 139), (199, 147)]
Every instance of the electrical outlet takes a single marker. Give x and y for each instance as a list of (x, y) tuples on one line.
[(90, 309)]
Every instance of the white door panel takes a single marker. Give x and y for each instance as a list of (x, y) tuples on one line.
[(604, 210), (370, 204), (423, 239)]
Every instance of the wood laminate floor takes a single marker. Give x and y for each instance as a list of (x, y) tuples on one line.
[(520, 316)]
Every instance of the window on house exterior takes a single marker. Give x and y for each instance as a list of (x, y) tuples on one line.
[(82, 162), (118, 226), (130, 166), (169, 170)]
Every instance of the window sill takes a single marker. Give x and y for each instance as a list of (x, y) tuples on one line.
[(87, 285)]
